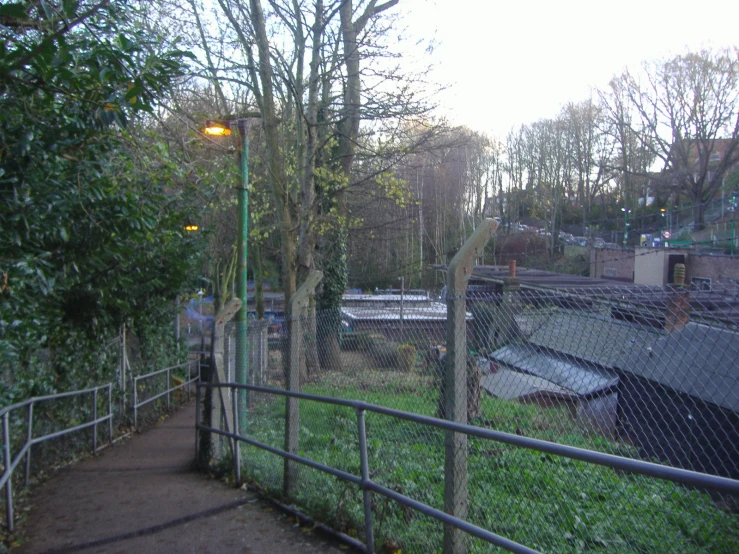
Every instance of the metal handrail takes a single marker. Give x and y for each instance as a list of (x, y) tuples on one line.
[(25, 451), (650, 469), (167, 392)]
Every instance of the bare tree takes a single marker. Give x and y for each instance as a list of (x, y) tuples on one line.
[(685, 113)]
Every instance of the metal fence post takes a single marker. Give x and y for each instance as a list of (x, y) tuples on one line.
[(455, 385), (237, 445), (298, 304), (29, 437), (169, 385), (369, 537), (197, 421), (110, 414), (94, 419), (9, 482), (135, 404)]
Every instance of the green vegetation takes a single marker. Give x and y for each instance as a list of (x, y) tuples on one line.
[(549, 503), (92, 207)]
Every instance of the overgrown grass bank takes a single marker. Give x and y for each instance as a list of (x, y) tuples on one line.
[(546, 502)]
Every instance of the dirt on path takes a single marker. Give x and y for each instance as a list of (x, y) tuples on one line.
[(141, 496)]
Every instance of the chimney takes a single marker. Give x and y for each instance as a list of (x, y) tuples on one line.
[(677, 310)]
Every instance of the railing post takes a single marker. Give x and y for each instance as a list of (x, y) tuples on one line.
[(94, 419), (169, 386), (189, 378), (298, 305), (237, 445), (455, 383), (110, 414), (9, 482), (369, 537), (197, 421), (135, 403), (29, 437)]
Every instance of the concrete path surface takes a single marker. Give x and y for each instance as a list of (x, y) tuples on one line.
[(140, 496)]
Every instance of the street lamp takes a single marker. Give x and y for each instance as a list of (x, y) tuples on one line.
[(223, 128), (626, 225)]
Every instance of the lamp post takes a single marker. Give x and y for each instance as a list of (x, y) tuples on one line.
[(626, 225), (223, 128)]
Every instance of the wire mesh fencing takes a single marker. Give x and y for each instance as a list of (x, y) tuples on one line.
[(643, 373)]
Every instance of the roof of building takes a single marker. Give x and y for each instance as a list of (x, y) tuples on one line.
[(592, 337), (539, 278), (697, 360), (427, 311), (384, 298), (578, 377), (511, 385)]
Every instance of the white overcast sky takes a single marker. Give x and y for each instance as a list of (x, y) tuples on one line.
[(517, 61)]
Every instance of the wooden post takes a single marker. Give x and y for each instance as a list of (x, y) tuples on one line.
[(298, 310), (220, 399), (455, 387)]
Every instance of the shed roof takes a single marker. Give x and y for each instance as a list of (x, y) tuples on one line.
[(593, 337), (698, 360), (509, 385), (578, 377), (428, 311)]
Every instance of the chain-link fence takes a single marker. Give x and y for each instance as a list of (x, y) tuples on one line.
[(641, 373)]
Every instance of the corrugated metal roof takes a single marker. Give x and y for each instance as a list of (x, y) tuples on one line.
[(579, 378), (509, 385), (428, 311)]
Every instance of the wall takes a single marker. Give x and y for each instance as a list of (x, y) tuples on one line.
[(676, 428), (617, 265), (720, 269)]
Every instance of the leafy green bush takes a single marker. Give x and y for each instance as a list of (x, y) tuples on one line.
[(359, 341), (406, 357), (383, 352)]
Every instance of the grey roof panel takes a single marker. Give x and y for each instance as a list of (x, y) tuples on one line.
[(591, 337), (573, 376), (509, 385), (698, 360)]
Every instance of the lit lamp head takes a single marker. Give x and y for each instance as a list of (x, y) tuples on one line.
[(217, 128)]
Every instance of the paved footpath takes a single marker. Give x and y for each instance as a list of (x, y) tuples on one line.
[(141, 496)]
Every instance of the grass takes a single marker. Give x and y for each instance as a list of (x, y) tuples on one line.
[(549, 503)]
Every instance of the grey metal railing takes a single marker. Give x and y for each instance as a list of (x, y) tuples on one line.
[(169, 388), (25, 450), (11, 463), (683, 476)]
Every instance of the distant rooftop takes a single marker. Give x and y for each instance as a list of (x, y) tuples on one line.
[(427, 311), (385, 297), (536, 278)]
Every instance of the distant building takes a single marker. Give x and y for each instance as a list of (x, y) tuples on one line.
[(409, 317)]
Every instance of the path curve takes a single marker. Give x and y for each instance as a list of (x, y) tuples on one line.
[(141, 496)]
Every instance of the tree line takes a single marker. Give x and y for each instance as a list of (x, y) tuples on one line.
[(351, 170)]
